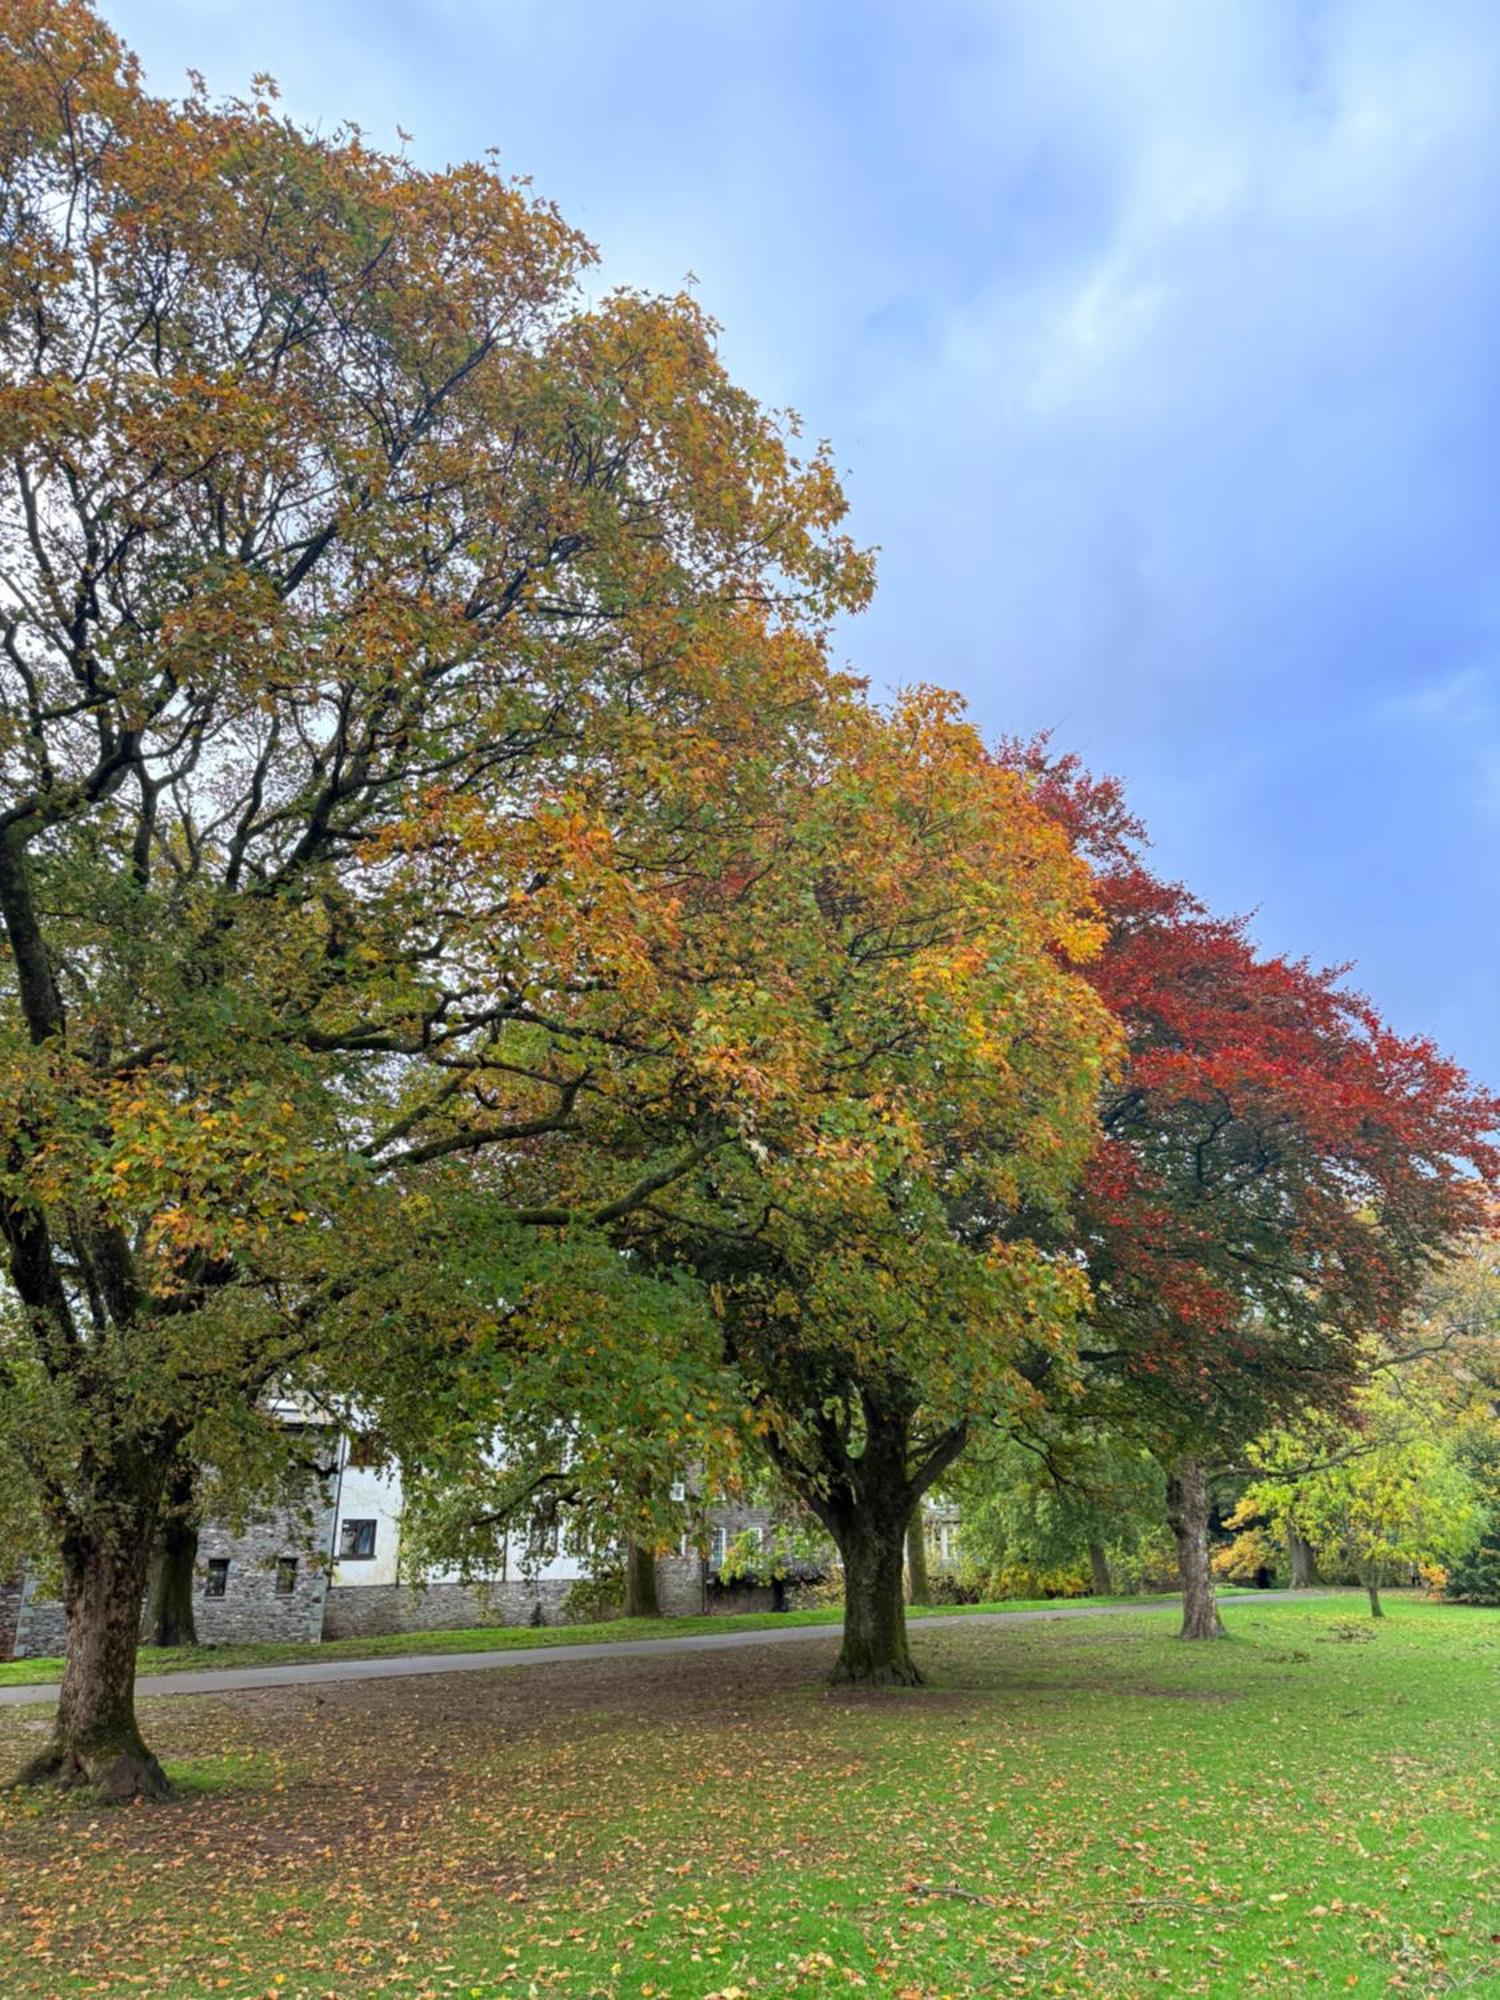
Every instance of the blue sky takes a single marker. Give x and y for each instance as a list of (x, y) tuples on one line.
[(1161, 344)]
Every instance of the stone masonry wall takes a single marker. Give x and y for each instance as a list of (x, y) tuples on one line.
[(10, 1610), (40, 1627), (252, 1608), (362, 1610), (679, 1586)]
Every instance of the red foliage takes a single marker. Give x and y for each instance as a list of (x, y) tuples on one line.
[(1277, 1167)]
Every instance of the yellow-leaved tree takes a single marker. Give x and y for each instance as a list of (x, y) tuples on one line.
[(392, 646)]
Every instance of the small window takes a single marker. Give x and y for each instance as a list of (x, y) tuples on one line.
[(216, 1580), (286, 1576), (720, 1547), (357, 1540)]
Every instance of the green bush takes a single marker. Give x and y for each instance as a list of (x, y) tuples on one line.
[(1475, 1578)]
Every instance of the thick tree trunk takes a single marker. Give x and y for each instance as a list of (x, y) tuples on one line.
[(174, 1560), (865, 1500), (1299, 1561), (1103, 1582), (916, 1557), (640, 1582), (1377, 1610), (1187, 1512), (96, 1740), (874, 1651)]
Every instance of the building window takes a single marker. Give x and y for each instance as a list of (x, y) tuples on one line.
[(216, 1580), (286, 1576), (356, 1541), (719, 1549)]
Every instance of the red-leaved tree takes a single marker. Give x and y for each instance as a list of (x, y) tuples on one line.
[(1275, 1171)]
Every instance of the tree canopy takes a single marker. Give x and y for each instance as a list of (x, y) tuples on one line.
[(394, 647)]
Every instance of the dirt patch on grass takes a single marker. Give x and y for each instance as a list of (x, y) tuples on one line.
[(308, 1774)]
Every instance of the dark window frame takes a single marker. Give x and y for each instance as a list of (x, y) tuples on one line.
[(216, 1577), (286, 1576), (355, 1553)]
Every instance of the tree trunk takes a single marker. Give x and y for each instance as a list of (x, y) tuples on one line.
[(174, 1560), (865, 1500), (96, 1739), (916, 1557), (640, 1582), (1377, 1610), (874, 1651), (1187, 1512), (1300, 1560), (1103, 1582)]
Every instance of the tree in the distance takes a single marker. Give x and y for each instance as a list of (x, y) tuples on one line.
[(1275, 1174), (1384, 1500), (1054, 1498)]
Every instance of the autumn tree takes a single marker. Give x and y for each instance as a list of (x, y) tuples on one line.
[(870, 1295), (1276, 1172), (386, 638), (1382, 1498)]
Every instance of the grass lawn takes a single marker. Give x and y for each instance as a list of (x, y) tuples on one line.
[(496, 1638), (1077, 1808)]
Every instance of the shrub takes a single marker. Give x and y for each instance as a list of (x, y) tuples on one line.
[(1475, 1578)]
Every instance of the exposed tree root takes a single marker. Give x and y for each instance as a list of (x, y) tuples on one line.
[(118, 1774), (893, 1673)]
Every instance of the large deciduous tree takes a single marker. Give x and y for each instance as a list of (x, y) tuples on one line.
[(384, 635), (871, 1296), (1276, 1172)]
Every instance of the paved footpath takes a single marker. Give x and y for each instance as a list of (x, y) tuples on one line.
[(312, 1672)]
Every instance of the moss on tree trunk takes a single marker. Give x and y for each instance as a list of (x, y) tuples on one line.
[(640, 1582), (95, 1739)]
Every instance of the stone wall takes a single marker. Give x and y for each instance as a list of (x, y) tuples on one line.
[(679, 1586), (352, 1611), (252, 1607), (41, 1629)]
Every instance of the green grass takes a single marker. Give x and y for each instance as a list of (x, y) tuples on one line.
[(1081, 1808), (491, 1638)]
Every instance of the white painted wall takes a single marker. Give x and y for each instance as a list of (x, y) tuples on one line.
[(367, 1493)]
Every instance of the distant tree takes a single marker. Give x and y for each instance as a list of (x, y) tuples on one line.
[(169, 1612), (1275, 1174), (1382, 1500), (1046, 1503)]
